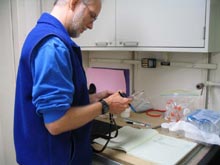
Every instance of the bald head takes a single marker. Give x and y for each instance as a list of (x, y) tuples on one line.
[(62, 2)]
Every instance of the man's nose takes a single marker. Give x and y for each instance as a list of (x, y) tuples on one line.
[(90, 26)]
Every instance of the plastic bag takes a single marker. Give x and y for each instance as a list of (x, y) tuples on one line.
[(140, 102), (179, 103), (205, 120), (192, 132)]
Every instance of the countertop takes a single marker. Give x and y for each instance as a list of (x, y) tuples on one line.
[(194, 157)]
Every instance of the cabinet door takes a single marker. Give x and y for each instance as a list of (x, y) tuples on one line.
[(103, 32), (161, 23)]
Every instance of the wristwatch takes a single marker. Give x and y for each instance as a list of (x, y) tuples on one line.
[(105, 107)]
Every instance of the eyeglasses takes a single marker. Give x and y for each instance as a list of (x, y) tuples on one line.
[(91, 13)]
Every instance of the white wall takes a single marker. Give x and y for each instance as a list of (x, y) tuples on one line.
[(24, 14), (7, 84), (155, 81), (214, 94)]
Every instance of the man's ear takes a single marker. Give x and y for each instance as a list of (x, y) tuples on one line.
[(72, 3)]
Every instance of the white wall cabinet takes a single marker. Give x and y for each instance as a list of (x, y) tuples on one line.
[(154, 25), (159, 23), (103, 32)]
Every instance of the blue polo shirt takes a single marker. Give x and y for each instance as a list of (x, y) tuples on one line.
[(50, 80)]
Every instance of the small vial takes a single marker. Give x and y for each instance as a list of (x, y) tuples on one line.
[(126, 113)]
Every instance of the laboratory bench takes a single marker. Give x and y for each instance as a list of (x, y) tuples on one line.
[(202, 154)]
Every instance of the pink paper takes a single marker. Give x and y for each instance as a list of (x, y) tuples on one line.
[(106, 79)]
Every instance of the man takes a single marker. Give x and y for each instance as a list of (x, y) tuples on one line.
[(53, 111)]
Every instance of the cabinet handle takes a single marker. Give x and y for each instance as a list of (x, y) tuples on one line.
[(102, 44), (130, 44)]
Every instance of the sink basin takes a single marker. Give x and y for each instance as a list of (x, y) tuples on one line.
[(102, 160)]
